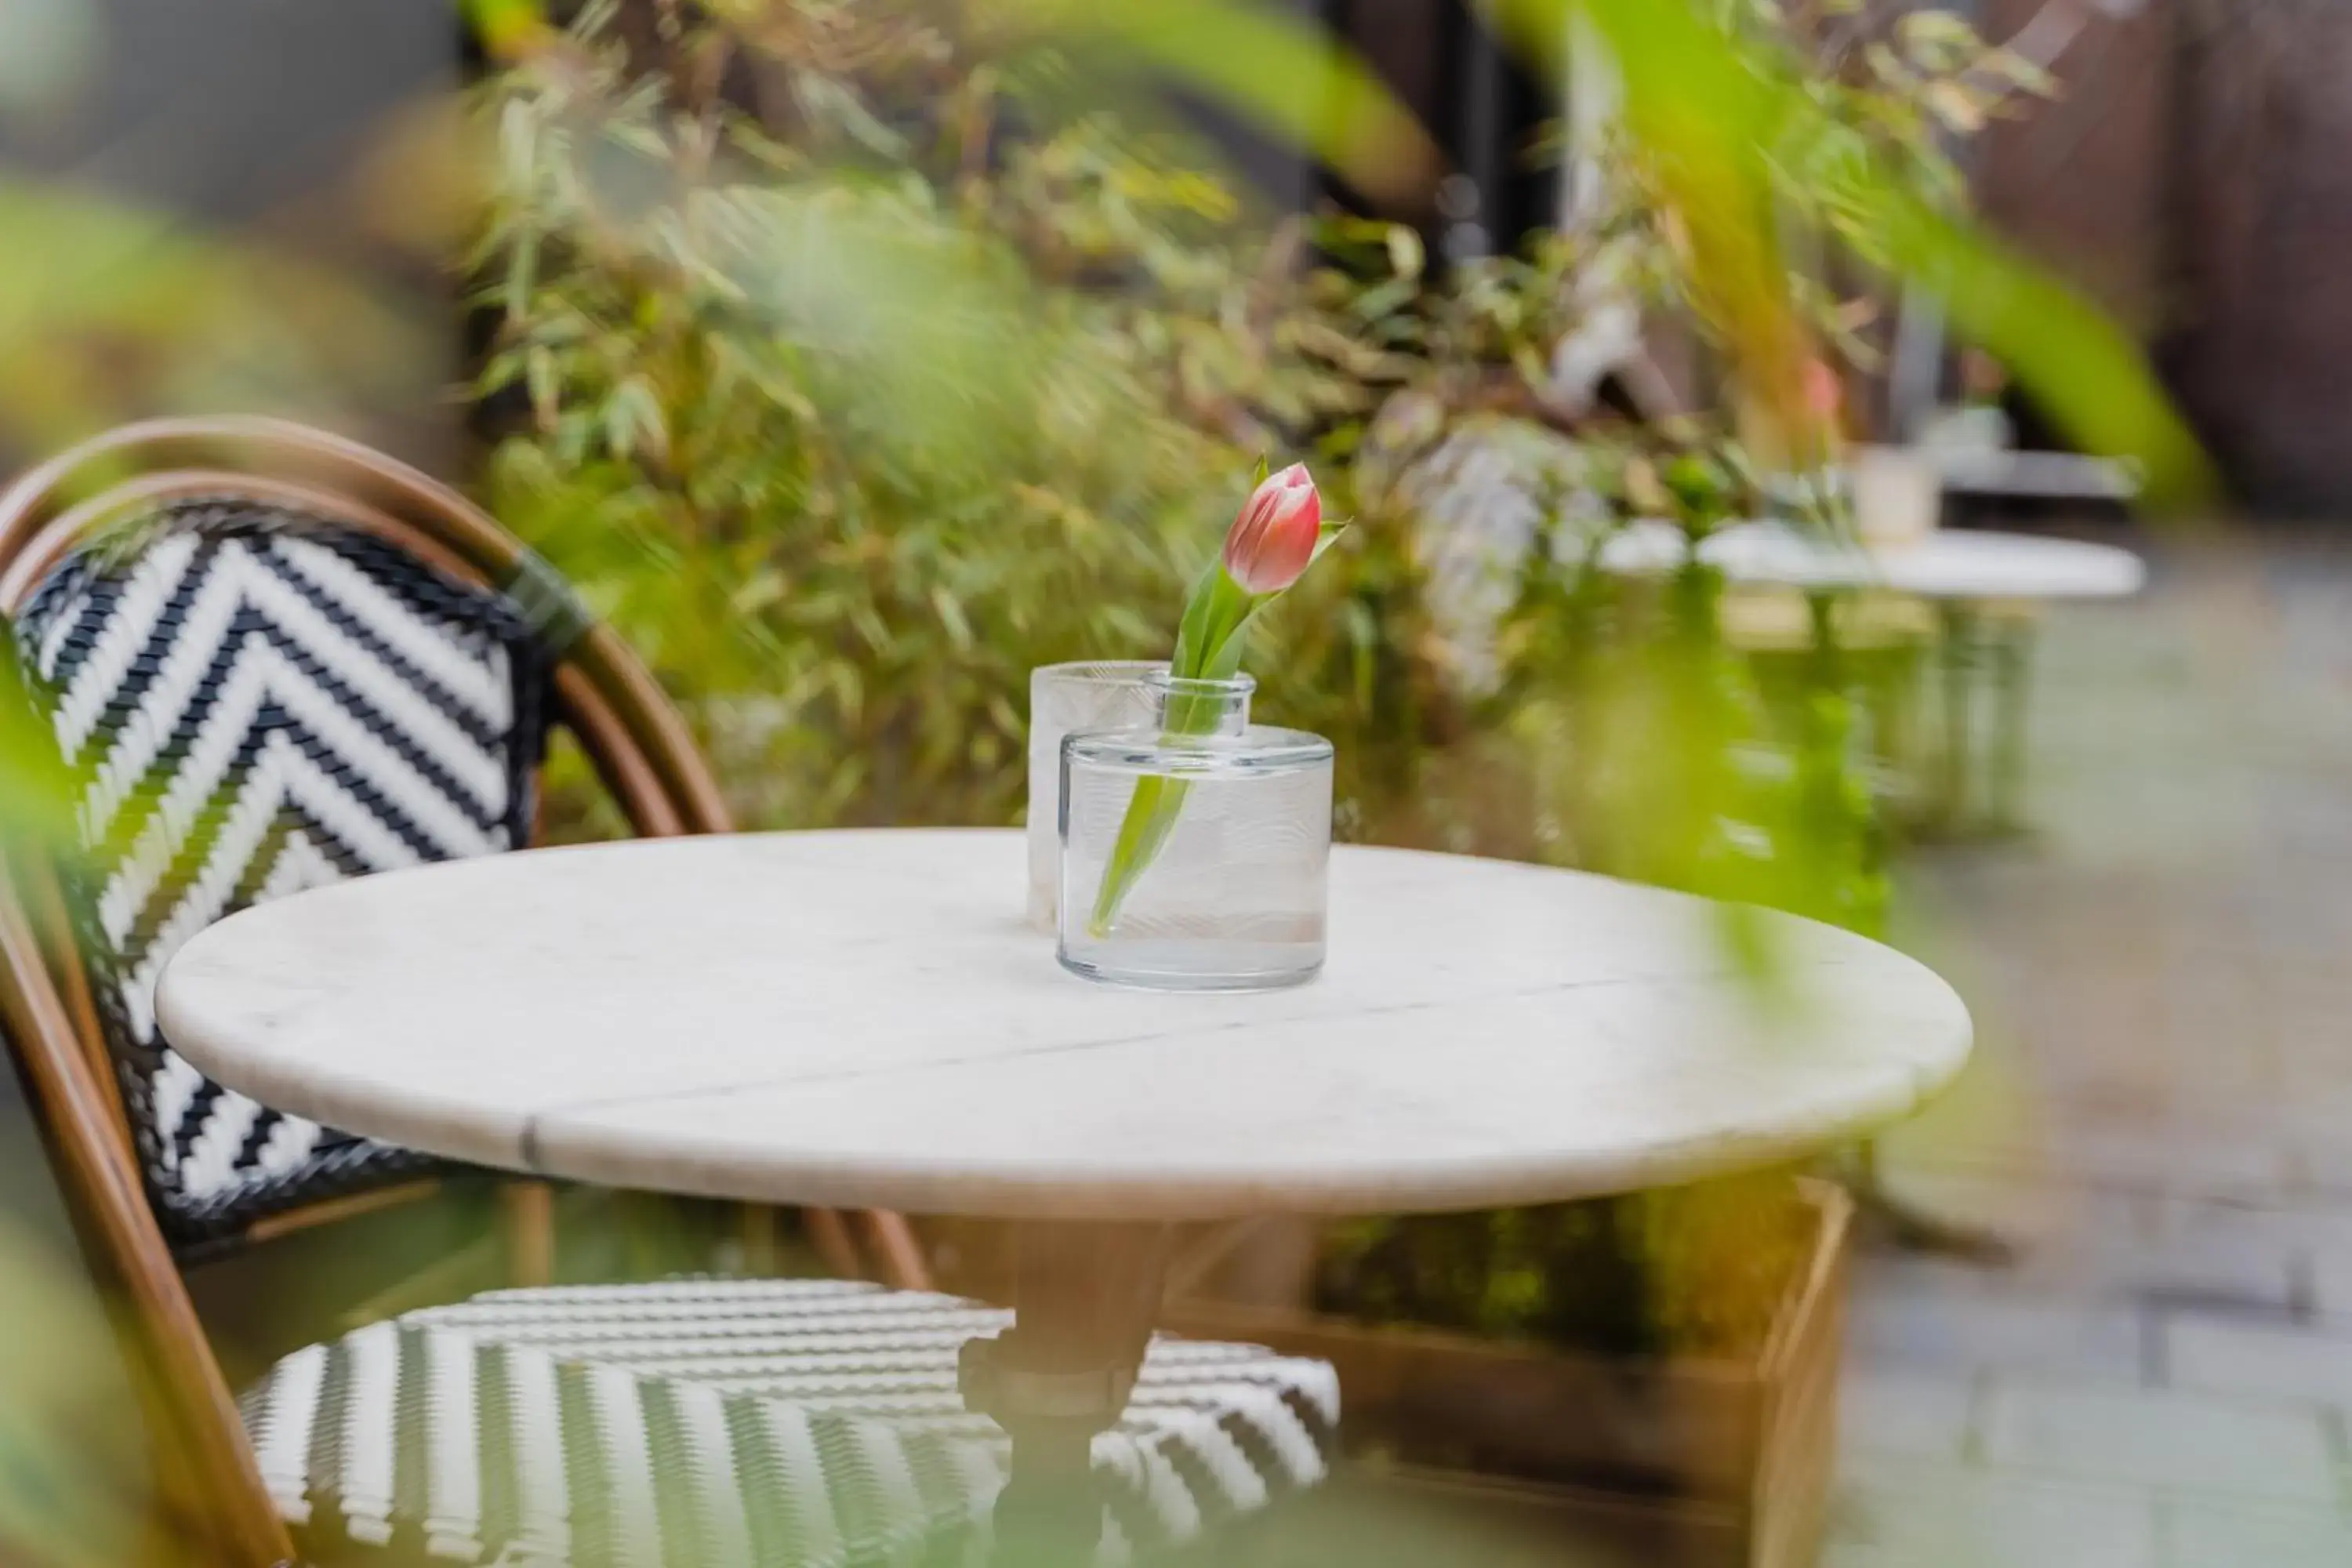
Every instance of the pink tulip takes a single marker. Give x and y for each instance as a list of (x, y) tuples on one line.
[(1273, 538), (1824, 392)]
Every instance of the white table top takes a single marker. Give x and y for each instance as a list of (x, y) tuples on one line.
[(863, 1020), (1948, 563)]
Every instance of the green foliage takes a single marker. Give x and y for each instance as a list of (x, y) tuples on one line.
[(846, 452), (849, 432), (1699, 1270), (109, 309)]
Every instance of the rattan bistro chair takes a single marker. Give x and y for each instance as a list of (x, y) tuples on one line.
[(277, 658), (273, 658)]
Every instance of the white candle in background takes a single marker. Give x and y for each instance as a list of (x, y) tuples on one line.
[(1897, 492)]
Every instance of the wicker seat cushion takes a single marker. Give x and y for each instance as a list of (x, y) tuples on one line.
[(703, 1423), (254, 701)]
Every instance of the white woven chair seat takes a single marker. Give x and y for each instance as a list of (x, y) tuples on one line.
[(703, 1423)]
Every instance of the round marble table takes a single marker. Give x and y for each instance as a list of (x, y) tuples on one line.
[(862, 1019), (1982, 583)]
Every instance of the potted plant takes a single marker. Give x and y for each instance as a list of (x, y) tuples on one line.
[(1660, 1369)]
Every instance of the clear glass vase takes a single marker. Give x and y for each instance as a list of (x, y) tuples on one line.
[(1219, 882), (1065, 699)]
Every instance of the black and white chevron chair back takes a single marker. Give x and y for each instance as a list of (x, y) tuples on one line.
[(254, 701)]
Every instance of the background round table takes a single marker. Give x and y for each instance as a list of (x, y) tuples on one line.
[(862, 1019), (1970, 565), (1985, 586)]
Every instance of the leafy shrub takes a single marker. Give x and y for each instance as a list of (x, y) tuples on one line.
[(845, 456)]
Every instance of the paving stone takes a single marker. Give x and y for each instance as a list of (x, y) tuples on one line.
[(2323, 1161), (2317, 1112), (2199, 1532), (2163, 978), (2166, 1153), (2219, 1268), (1911, 1515), (1926, 1327), (2331, 1280), (2246, 1273), (2188, 1160), (2162, 1437), (2286, 1360), (2312, 1224), (1885, 1413)]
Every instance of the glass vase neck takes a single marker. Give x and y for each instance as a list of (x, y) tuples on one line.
[(1194, 706)]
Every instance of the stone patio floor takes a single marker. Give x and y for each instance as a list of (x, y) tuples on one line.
[(2161, 1113)]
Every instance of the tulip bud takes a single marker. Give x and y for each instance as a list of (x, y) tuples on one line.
[(1273, 538)]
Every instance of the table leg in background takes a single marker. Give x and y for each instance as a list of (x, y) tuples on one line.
[(2013, 655), (1958, 652), (1084, 1300), (1916, 1229)]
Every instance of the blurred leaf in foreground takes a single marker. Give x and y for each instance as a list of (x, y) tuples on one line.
[(1720, 115), (506, 27), (107, 310), (72, 1479), (1280, 72), (34, 790)]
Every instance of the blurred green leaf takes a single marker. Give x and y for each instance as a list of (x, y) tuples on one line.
[(1281, 70), (506, 27), (36, 792), (1716, 120), (118, 307), (73, 1468)]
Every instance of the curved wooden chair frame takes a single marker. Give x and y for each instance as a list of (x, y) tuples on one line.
[(638, 743)]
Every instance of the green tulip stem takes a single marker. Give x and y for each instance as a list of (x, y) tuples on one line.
[(1209, 643), (1208, 647)]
